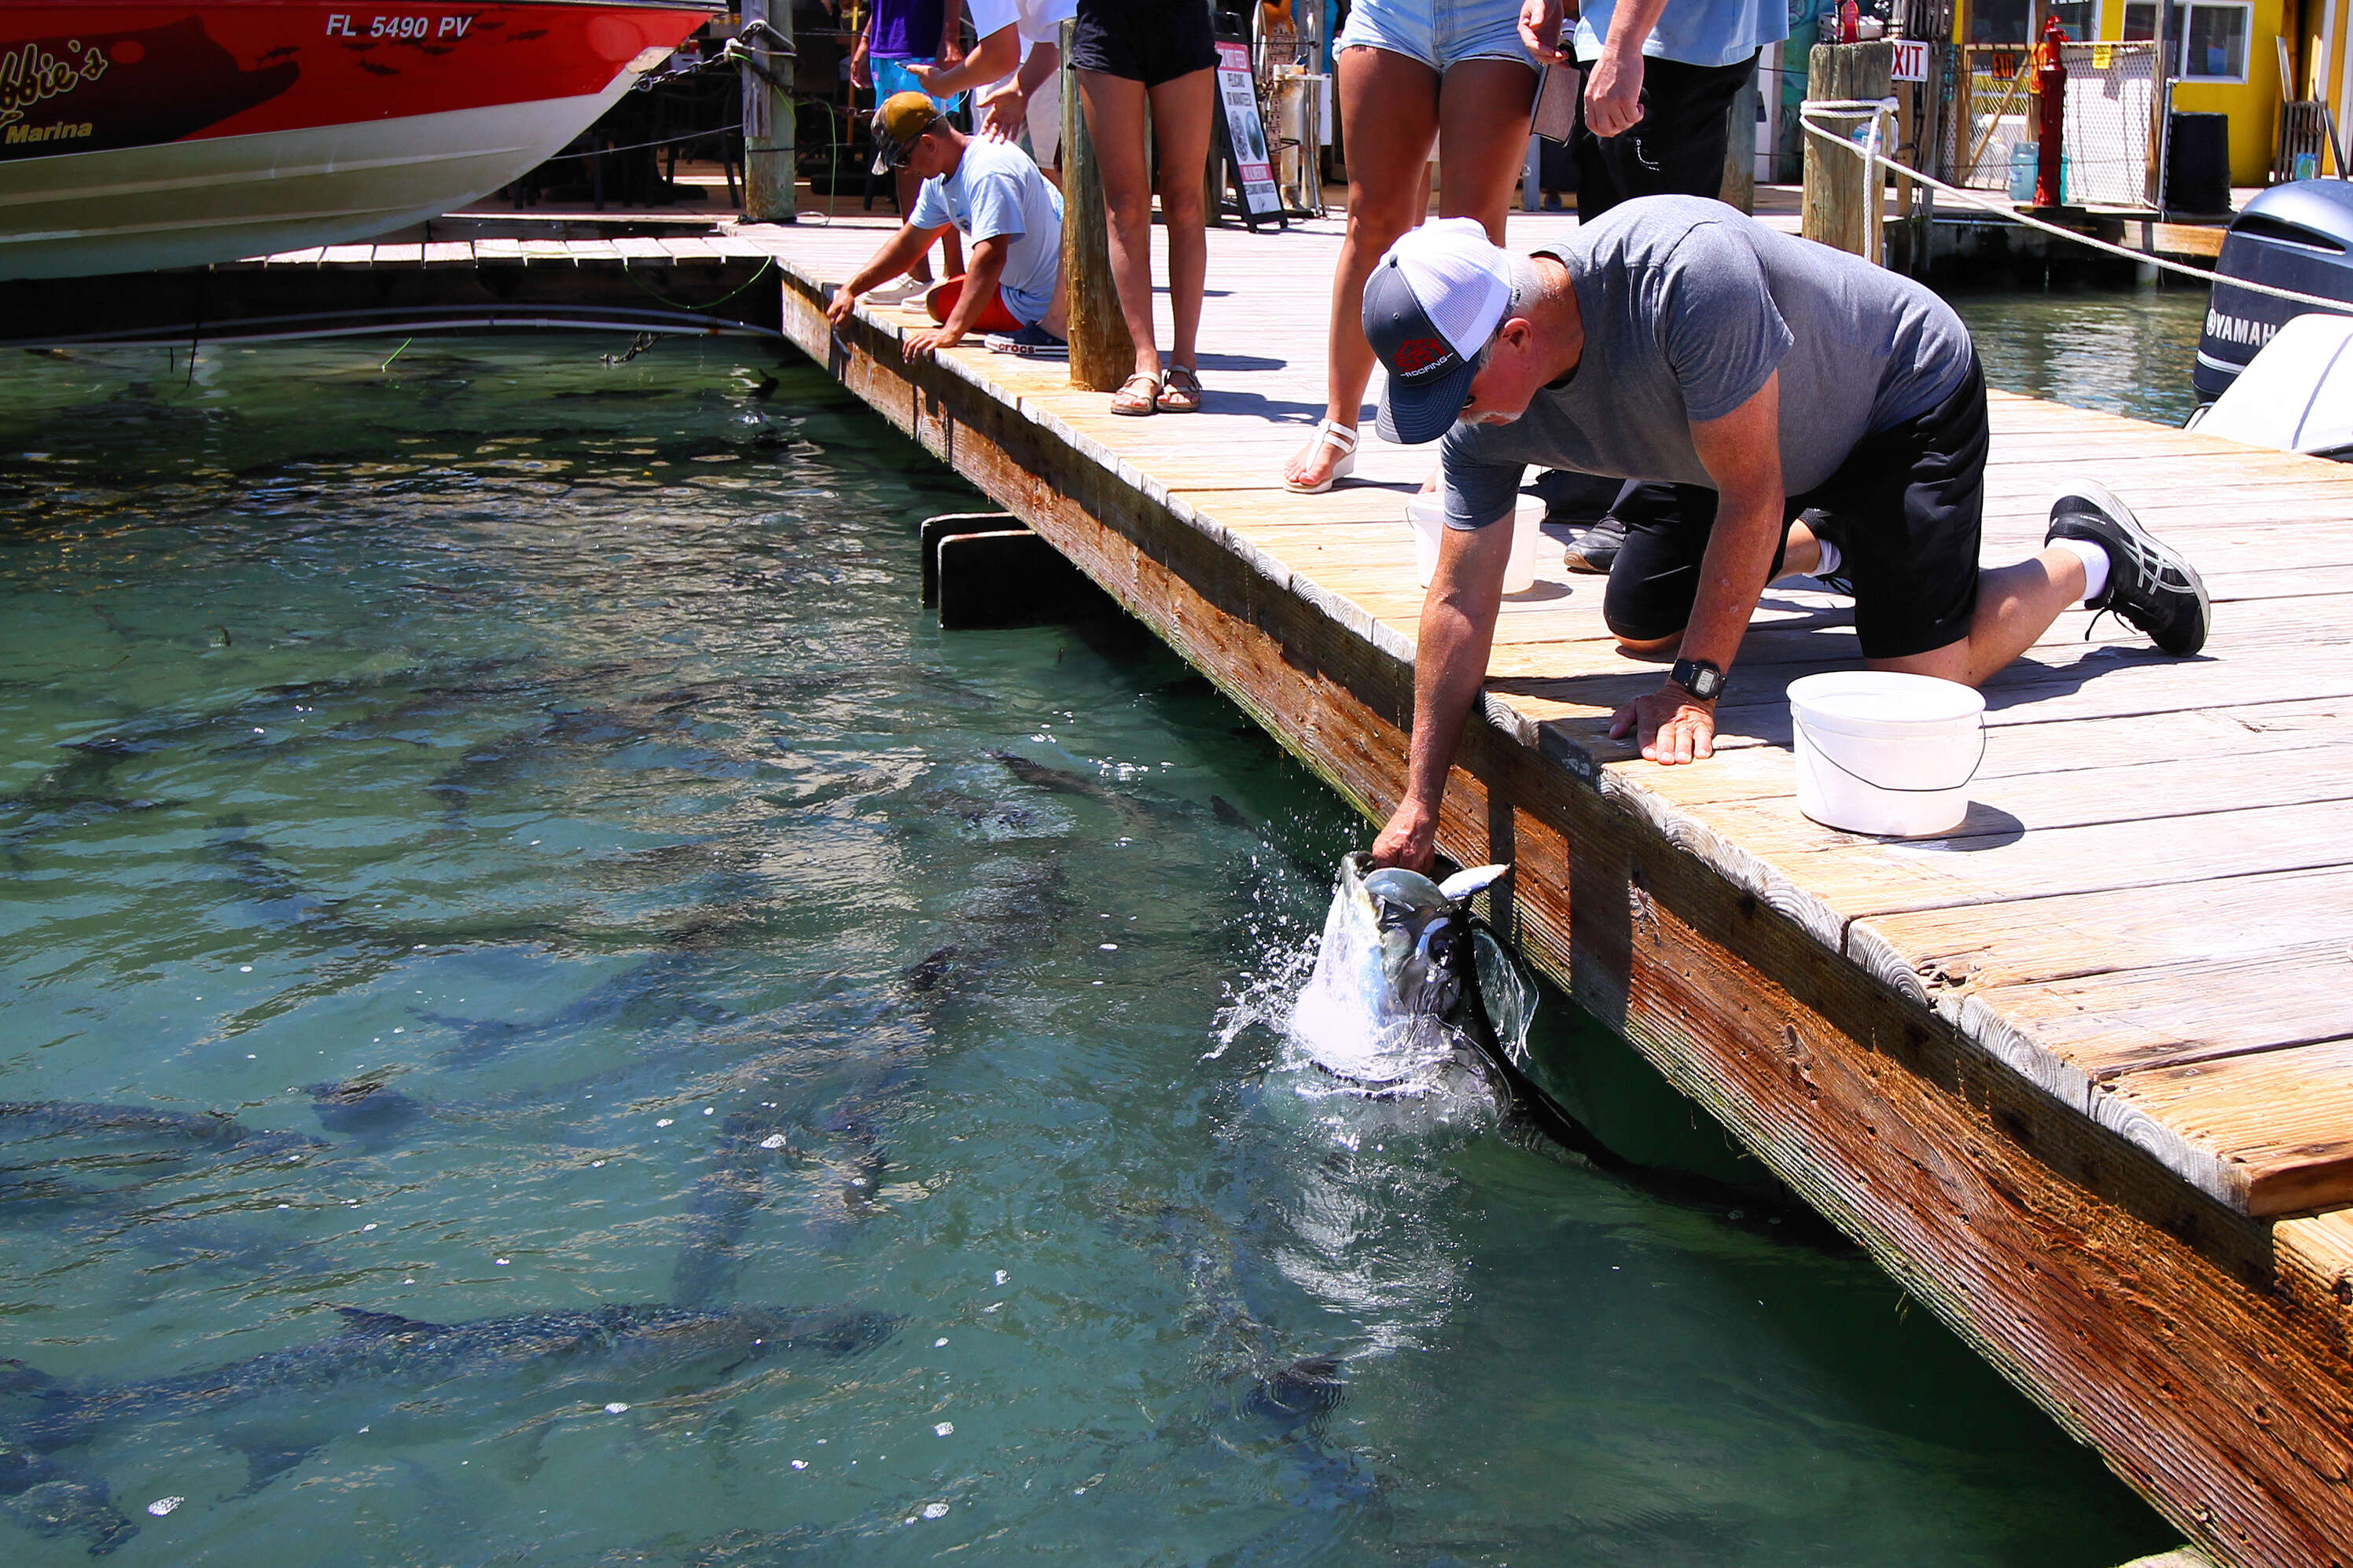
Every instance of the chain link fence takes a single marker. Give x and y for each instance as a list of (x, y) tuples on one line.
[(2109, 140)]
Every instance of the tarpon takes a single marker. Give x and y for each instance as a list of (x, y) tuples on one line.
[(1405, 973), (388, 1373), (148, 1129)]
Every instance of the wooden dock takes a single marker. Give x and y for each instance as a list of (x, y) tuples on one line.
[(2080, 1075)]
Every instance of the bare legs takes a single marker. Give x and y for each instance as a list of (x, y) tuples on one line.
[(2016, 604), (1391, 108), (1114, 108)]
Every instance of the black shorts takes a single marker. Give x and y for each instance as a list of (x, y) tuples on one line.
[(1676, 149), (1907, 510), (1150, 41)]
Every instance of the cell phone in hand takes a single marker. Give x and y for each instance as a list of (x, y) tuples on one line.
[(1554, 115)]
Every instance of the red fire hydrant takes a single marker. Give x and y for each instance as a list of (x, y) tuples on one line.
[(2050, 88)]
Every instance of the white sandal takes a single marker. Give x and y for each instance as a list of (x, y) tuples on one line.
[(1340, 438)]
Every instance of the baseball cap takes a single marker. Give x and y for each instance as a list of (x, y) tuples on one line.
[(1430, 305), (898, 120)]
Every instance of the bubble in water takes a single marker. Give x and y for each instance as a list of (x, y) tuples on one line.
[(773, 1141), (943, 1429), (614, 1408), (665, 1122), (935, 1510), (163, 1505)]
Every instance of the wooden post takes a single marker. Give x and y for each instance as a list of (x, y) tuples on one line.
[(1740, 147), (1103, 354), (768, 131), (1842, 204)]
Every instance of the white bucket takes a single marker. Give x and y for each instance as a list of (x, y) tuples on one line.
[(1885, 753), (1427, 514)]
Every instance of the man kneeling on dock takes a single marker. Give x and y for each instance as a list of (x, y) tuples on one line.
[(1008, 211), (1764, 376)]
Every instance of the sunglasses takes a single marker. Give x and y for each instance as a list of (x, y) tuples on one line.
[(1478, 367)]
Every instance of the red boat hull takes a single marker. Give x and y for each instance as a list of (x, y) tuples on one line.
[(136, 135)]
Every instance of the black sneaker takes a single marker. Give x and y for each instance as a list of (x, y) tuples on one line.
[(1594, 548), (2149, 585)]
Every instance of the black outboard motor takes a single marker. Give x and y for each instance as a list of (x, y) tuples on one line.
[(2296, 236)]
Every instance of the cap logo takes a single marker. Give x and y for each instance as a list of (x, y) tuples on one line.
[(1419, 354)]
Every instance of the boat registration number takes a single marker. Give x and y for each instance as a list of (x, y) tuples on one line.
[(349, 25)]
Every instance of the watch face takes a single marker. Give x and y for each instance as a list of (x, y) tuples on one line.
[(1703, 682)]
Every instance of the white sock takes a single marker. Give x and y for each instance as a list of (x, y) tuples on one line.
[(2095, 564), (1830, 561)]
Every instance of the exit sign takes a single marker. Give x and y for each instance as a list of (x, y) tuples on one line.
[(1911, 61)]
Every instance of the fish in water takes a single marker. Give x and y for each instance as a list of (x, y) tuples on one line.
[(383, 1372), (148, 1129), (369, 1112), (1405, 974)]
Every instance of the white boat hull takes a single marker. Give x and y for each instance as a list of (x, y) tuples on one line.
[(188, 202)]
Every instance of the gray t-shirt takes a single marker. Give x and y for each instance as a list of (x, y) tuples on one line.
[(1688, 307)]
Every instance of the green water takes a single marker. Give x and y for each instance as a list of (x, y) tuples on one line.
[(2120, 351), (560, 747)]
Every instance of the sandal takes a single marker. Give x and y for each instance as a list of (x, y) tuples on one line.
[(1128, 400), (1341, 439), (1180, 391)]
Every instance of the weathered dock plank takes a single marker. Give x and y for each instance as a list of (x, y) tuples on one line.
[(2055, 1070)]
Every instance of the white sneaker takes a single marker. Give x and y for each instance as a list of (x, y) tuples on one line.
[(899, 291)]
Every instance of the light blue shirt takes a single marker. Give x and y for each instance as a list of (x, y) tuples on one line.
[(998, 192), (1695, 32)]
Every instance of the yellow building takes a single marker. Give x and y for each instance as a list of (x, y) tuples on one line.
[(2224, 54)]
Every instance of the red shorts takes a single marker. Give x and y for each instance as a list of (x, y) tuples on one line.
[(941, 298)]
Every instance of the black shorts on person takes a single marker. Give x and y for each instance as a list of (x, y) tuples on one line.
[(1150, 41), (1906, 509)]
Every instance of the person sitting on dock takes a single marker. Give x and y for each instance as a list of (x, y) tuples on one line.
[(1678, 339), (993, 194)]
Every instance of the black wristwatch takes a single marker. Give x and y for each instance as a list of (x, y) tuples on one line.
[(1698, 677)]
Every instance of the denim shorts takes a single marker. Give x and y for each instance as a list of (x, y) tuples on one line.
[(893, 77), (1441, 34)]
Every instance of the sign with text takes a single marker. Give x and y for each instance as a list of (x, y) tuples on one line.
[(1911, 61), (1245, 134)]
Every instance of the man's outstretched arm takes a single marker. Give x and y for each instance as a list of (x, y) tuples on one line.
[(1449, 666), (897, 253), (989, 259), (1742, 453)]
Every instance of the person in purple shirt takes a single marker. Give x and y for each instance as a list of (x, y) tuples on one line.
[(900, 34)]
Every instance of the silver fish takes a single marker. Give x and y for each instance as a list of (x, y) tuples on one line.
[(1405, 973)]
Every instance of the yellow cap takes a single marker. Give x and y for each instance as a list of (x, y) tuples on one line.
[(899, 120)]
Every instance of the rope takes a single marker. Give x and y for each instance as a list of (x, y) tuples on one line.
[(765, 263), (1807, 110), (727, 130)]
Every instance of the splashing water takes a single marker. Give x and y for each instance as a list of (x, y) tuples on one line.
[(1349, 1020)]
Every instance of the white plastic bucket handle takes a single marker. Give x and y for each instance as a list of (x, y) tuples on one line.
[(1823, 752)]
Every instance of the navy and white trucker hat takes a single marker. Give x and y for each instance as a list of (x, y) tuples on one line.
[(1430, 305)]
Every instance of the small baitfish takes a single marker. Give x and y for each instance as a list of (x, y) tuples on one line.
[(1405, 974)]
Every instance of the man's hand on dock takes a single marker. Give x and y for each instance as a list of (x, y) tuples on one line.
[(925, 344), (1670, 725)]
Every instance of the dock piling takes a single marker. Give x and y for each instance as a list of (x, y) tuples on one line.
[(1843, 196), (769, 129), (1102, 353)]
